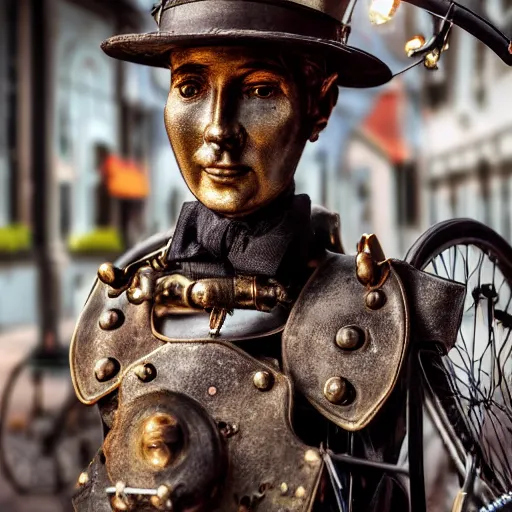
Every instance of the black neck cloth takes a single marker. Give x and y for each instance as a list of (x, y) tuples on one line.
[(275, 241)]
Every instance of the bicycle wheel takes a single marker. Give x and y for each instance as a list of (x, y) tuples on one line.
[(470, 388), (46, 435)]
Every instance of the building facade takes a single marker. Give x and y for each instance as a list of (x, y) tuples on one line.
[(102, 108), (467, 143)]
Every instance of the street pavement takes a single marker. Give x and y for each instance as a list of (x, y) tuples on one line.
[(14, 346)]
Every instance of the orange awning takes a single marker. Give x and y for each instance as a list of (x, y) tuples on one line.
[(125, 179)]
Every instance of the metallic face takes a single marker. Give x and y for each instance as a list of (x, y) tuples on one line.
[(236, 126)]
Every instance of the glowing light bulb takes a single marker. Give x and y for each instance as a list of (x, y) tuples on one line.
[(414, 44), (382, 11)]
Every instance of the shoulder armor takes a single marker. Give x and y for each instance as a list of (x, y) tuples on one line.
[(111, 333), (344, 343)]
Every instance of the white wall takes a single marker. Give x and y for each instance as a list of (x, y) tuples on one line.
[(86, 111)]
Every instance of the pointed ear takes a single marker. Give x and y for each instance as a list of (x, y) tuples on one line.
[(325, 104)]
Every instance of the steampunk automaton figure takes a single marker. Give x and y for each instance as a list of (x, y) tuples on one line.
[(233, 359)]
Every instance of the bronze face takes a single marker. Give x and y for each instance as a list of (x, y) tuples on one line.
[(236, 124)]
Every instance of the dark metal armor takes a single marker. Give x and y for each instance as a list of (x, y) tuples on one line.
[(228, 400)]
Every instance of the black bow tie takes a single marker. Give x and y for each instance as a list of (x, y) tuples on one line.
[(208, 245)]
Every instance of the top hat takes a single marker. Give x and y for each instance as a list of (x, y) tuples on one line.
[(315, 26)]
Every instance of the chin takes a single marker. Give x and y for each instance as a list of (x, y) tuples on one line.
[(227, 202)]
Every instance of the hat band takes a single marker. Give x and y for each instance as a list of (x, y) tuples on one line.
[(208, 16)]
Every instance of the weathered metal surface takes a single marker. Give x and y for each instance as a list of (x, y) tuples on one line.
[(436, 305), (143, 451), (333, 299), (243, 324), (137, 336), (221, 379), (126, 344)]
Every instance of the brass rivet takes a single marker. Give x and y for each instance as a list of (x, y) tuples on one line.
[(335, 389), (431, 59), (162, 499), (284, 488), (83, 478), (107, 273), (135, 296), (106, 368), (111, 319), (263, 380), (312, 457), (349, 337), (300, 492), (160, 439), (121, 504), (146, 372), (212, 390), (375, 299)]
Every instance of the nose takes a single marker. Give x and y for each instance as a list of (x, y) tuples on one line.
[(224, 128)]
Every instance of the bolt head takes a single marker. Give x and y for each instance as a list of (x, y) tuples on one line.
[(300, 492), (146, 372), (83, 478), (106, 369), (107, 273), (110, 319), (263, 380), (375, 299), (350, 337), (312, 457), (120, 504), (335, 389)]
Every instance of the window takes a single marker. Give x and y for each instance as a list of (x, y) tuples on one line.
[(407, 194), (484, 181)]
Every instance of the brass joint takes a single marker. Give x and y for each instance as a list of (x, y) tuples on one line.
[(372, 267), (240, 292), (174, 292)]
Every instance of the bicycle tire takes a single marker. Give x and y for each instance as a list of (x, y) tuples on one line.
[(451, 235)]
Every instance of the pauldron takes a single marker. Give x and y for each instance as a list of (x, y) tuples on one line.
[(196, 421)]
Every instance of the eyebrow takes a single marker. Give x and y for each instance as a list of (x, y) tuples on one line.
[(189, 68), (255, 65), (263, 65)]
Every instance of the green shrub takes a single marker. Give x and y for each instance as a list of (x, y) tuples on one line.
[(101, 240), (15, 238)]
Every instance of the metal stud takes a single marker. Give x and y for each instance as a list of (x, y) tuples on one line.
[(146, 372), (350, 337), (283, 488), (312, 457), (106, 369), (83, 479), (162, 500), (300, 492), (111, 319), (375, 299), (263, 380), (335, 389)]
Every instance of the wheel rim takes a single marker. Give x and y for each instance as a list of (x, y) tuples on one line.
[(479, 367)]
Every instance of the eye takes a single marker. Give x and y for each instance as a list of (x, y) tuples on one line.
[(262, 91), (189, 90)]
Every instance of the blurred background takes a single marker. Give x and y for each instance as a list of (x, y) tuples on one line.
[(86, 171)]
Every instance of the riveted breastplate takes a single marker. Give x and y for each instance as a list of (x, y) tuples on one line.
[(196, 422)]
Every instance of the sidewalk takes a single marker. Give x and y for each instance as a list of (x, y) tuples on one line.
[(14, 346)]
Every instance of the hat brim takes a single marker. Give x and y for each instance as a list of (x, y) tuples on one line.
[(355, 67)]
